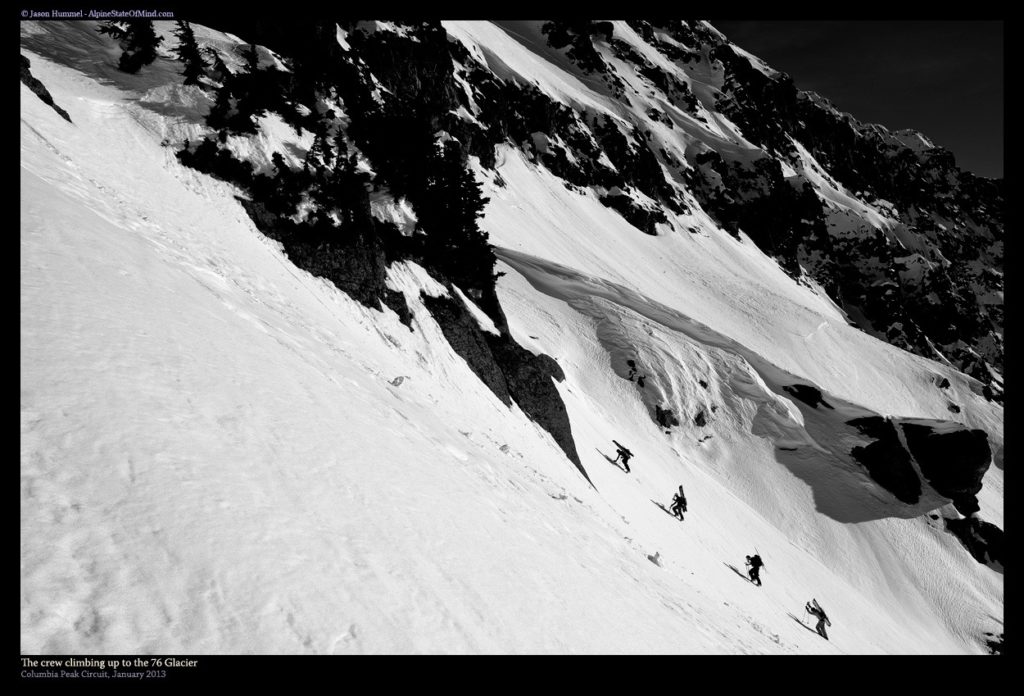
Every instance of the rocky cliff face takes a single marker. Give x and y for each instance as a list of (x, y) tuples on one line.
[(953, 462), (907, 243), (378, 106), (691, 129), (951, 458), (886, 459), (39, 88)]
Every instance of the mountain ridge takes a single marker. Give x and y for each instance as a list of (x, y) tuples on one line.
[(619, 235)]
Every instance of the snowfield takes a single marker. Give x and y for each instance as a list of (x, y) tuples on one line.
[(221, 453)]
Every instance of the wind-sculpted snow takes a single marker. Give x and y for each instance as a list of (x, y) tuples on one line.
[(814, 433)]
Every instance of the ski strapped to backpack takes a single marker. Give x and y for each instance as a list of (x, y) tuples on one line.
[(824, 616)]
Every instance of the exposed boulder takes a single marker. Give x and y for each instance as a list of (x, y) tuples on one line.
[(808, 394), (953, 462), (665, 417), (983, 540), (886, 459)]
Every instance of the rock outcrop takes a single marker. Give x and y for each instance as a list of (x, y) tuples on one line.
[(39, 88), (983, 540), (953, 462), (509, 370), (886, 459)]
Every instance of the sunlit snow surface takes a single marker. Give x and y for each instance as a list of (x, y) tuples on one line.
[(223, 454)]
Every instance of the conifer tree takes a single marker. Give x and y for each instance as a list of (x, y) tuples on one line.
[(222, 112), (251, 58), (250, 89), (139, 42), (113, 28), (188, 53), (347, 188), (320, 153), (340, 145), (219, 70), (450, 204)]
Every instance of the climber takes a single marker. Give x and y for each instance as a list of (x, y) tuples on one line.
[(624, 453), (679, 504), (814, 609), (755, 564)]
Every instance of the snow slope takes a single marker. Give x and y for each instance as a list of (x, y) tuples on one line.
[(223, 454)]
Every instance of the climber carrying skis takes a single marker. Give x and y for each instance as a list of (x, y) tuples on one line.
[(624, 453), (814, 609), (679, 503), (755, 564)]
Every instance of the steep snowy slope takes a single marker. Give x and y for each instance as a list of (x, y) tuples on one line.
[(222, 453), (909, 245)]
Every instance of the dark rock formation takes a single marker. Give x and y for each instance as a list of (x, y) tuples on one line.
[(355, 265), (396, 130), (354, 260), (529, 378), (400, 90), (509, 370), (665, 417), (955, 217), (39, 88), (944, 298), (641, 218), (983, 540), (395, 301), (808, 394), (464, 335), (952, 462), (576, 35), (886, 459)]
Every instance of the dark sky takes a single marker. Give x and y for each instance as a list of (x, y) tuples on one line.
[(942, 78)]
